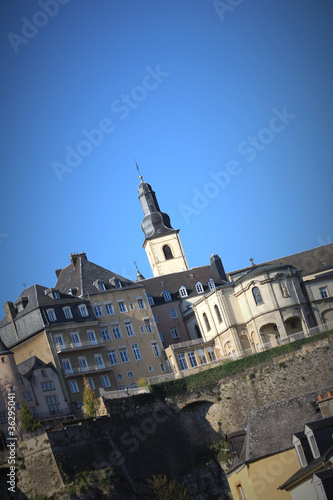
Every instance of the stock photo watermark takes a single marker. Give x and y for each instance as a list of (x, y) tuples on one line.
[(224, 7), (248, 148), (11, 442), (30, 27), (120, 107)]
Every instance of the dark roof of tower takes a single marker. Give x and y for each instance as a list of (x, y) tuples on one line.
[(3, 348), (155, 223)]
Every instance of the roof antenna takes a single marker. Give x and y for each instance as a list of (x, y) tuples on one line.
[(137, 166)]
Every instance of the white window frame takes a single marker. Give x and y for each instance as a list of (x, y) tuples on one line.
[(67, 312), (123, 350), (155, 348), (192, 359), (83, 310), (105, 381), (98, 310), (109, 305), (73, 386), (167, 296), (182, 291), (105, 333), (198, 287), (136, 352), (91, 383), (173, 313), (83, 364), (93, 339), (129, 329), (122, 306), (151, 300), (141, 303), (57, 338), (76, 334), (116, 330), (147, 324), (100, 364), (51, 315), (66, 362), (324, 292), (211, 284), (174, 333), (182, 361), (112, 355)]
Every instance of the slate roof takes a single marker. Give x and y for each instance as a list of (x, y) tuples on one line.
[(315, 260), (83, 276), (262, 268), (27, 367), (172, 283), (269, 429), (3, 348)]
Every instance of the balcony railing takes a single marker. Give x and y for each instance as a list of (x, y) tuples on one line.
[(86, 344), (81, 370)]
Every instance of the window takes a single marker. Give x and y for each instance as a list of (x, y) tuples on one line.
[(59, 340), (99, 361), (148, 325), (136, 352), (191, 357), (130, 374), (161, 336), (113, 357), (52, 404), (155, 349), (43, 372), (3, 417), (76, 339), (166, 296), (162, 367), (51, 315), (122, 387), (101, 286), (211, 353), (83, 310), (142, 329), (119, 376), (117, 283), (105, 333), (300, 454), (116, 331), (173, 313), (182, 291), (324, 292), (91, 383), (56, 295), (174, 333), (167, 252), (313, 445), (155, 318), (67, 312), (92, 337), (141, 304), (3, 360), (109, 309), (151, 300), (129, 329), (202, 356), (47, 386), (105, 381), (73, 386), (131, 306), (33, 411), (278, 339), (257, 296), (28, 396), (122, 306), (67, 366), (199, 287), (240, 492), (124, 356), (83, 364), (150, 368), (206, 321), (133, 385), (182, 361), (218, 314), (98, 311), (211, 284)]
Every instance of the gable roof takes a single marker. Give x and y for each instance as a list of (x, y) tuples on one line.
[(27, 367), (84, 273), (269, 429)]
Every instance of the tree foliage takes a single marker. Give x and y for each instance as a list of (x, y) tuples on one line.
[(90, 400), (28, 421), (164, 490)]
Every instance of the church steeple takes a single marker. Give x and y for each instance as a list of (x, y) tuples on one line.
[(162, 244)]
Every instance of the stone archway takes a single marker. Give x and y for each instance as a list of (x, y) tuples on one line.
[(202, 419), (245, 344), (327, 317), (294, 327), (270, 335)]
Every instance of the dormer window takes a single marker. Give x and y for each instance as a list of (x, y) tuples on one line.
[(56, 295), (199, 287), (300, 452), (312, 442), (51, 315), (72, 291), (67, 312), (101, 286), (167, 296), (182, 291), (20, 307), (211, 284), (83, 310)]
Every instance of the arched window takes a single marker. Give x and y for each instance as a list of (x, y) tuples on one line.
[(182, 291), (199, 287), (206, 321), (167, 252), (151, 300), (167, 296), (218, 314), (257, 296), (211, 284)]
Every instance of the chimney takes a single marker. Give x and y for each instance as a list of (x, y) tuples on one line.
[(326, 405), (216, 264), (58, 271), (75, 256), (10, 315)]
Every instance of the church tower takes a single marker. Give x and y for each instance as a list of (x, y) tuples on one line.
[(162, 244)]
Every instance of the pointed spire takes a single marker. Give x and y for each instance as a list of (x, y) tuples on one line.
[(139, 276)]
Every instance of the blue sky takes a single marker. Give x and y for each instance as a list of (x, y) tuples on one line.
[(226, 106)]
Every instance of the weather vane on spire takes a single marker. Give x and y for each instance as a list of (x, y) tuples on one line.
[(137, 166)]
